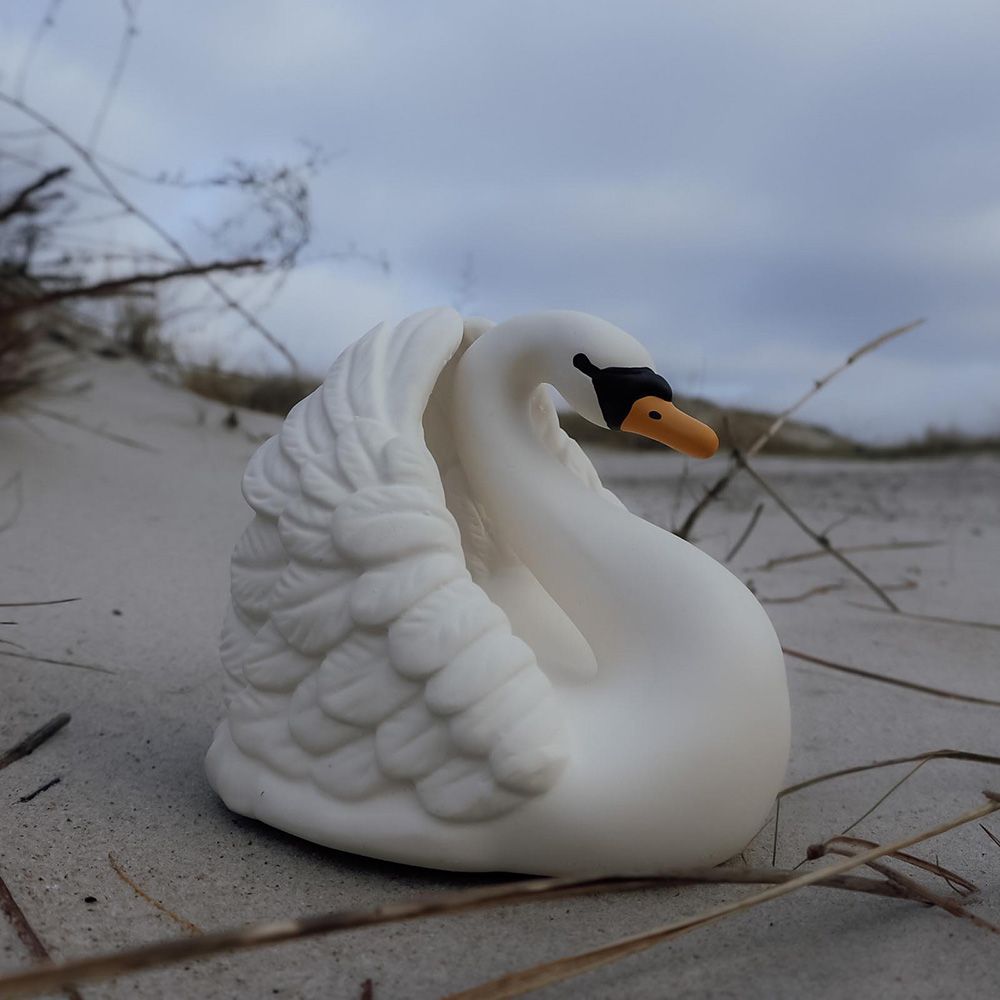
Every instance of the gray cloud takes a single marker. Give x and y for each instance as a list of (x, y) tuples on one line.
[(750, 188)]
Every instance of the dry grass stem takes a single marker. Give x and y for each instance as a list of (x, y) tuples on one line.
[(37, 604), (909, 885), (96, 667), (821, 383), (747, 531), (990, 834), (716, 489), (966, 755), (99, 431), (933, 619), (33, 740), (822, 553), (870, 675), (15, 485), (921, 760), (518, 983), (20, 202), (819, 539), (182, 922), (896, 785), (119, 286), (38, 791), (26, 933), (35, 981), (829, 588), (957, 882), (824, 588), (131, 208)]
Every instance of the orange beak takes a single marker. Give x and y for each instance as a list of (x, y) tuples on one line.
[(655, 418)]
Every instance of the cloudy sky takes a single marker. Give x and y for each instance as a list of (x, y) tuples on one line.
[(751, 188)]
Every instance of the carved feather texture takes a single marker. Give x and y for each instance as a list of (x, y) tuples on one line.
[(359, 652)]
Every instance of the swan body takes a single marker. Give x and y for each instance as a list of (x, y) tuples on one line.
[(448, 645)]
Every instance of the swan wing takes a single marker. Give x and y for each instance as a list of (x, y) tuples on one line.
[(358, 651)]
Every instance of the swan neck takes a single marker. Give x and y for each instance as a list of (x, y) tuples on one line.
[(570, 537)]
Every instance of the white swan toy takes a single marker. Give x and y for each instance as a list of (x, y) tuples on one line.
[(450, 646)]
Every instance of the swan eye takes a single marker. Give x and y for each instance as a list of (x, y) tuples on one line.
[(655, 415)]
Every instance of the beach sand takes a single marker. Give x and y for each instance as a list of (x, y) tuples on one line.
[(140, 531)]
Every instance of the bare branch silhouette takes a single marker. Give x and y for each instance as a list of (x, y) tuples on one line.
[(718, 487)]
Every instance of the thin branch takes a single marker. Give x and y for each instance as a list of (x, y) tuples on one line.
[(16, 485), (183, 922), (21, 202), (119, 196), (815, 536), (966, 755), (46, 23), (37, 604), (822, 382), (822, 552), (935, 619), (716, 489), (712, 493), (33, 740), (59, 663), (63, 418), (38, 791), (518, 983), (902, 781), (747, 531), (909, 885), (957, 882), (894, 681), (825, 588), (115, 286), (33, 982), (26, 933), (121, 60)]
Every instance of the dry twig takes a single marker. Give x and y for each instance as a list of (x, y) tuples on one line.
[(716, 489), (885, 679), (20, 202), (183, 922), (15, 485), (37, 604), (96, 667), (39, 980), (819, 539), (957, 882), (747, 531), (64, 418), (38, 791), (823, 552), (26, 933), (33, 740), (837, 846), (896, 785), (115, 192), (129, 34), (823, 588), (116, 286), (966, 755), (518, 983), (920, 758), (933, 619)]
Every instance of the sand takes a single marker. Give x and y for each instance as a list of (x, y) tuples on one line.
[(141, 533)]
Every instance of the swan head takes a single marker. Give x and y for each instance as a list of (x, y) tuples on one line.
[(607, 377)]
